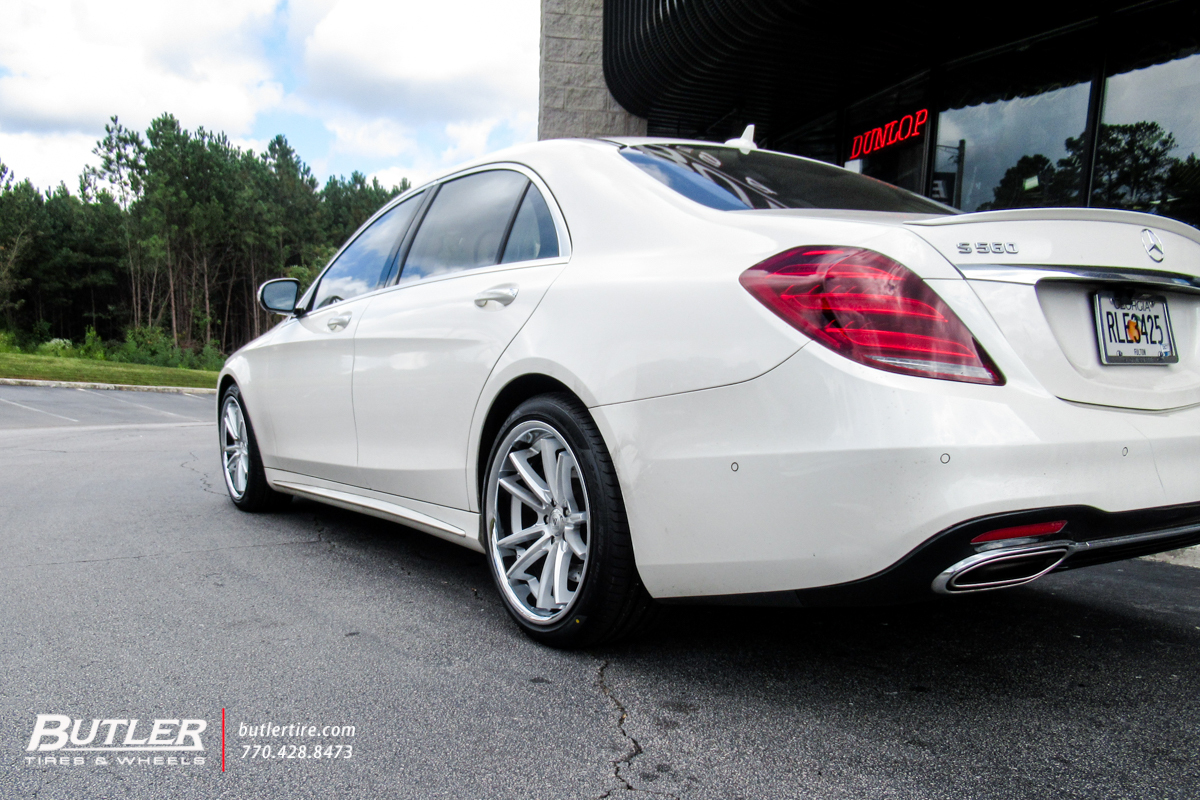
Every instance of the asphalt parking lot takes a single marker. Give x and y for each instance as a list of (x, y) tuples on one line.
[(134, 589)]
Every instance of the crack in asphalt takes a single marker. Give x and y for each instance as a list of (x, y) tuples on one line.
[(204, 476), (635, 746), (321, 530)]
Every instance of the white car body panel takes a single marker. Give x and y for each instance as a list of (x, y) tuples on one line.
[(842, 469), (422, 354), (307, 369)]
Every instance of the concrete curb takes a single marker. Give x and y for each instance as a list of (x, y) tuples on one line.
[(106, 386), (1188, 557)]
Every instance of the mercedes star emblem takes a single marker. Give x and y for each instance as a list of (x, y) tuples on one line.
[(1153, 244)]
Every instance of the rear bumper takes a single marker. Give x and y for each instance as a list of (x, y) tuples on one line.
[(847, 476), (950, 564), (1090, 537)]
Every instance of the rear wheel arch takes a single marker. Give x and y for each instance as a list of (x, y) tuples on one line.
[(515, 392), (550, 458)]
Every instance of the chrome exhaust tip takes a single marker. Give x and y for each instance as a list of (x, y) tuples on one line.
[(1000, 569)]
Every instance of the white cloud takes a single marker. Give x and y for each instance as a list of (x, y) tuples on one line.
[(392, 176), (469, 139), (417, 84), (41, 157), (425, 61), (259, 146), (72, 65), (378, 137)]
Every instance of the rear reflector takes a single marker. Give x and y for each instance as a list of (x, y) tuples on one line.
[(1021, 531), (870, 309)]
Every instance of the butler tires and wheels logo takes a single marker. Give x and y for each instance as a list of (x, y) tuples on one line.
[(60, 740)]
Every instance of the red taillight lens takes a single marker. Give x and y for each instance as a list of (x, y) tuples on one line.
[(871, 309), (1022, 531)]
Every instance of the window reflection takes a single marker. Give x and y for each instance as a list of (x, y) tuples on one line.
[(363, 265), (1014, 153), (533, 235), (465, 224), (1147, 153)]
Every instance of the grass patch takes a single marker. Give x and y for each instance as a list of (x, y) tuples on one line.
[(50, 368)]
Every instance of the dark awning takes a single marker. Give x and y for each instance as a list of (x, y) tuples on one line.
[(705, 68)]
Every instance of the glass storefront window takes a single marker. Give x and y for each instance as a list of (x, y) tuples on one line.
[(1148, 151), (1013, 153), (818, 139)]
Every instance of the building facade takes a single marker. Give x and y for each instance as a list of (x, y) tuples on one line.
[(1040, 104)]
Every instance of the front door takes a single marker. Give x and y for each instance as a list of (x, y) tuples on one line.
[(309, 361), (308, 373)]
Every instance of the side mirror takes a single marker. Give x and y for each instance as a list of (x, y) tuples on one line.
[(280, 295)]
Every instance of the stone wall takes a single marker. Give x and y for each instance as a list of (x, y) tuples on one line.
[(574, 99)]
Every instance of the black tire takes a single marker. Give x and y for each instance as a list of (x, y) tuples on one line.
[(257, 494), (609, 600)]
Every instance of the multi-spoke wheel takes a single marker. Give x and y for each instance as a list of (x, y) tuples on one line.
[(241, 463), (557, 538), (236, 454), (540, 541)]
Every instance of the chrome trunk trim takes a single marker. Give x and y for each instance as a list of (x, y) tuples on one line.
[(1031, 275)]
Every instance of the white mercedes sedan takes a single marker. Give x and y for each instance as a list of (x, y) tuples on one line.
[(645, 370)]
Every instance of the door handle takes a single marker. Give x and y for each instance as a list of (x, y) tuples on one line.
[(503, 294), (339, 322)]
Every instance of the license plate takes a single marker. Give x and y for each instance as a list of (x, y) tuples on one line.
[(1134, 329)]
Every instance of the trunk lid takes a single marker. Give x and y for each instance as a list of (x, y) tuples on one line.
[(1038, 271)]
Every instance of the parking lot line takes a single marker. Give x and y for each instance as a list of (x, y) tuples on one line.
[(38, 410), (139, 405)]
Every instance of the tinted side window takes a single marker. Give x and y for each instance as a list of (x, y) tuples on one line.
[(533, 235), (465, 224), (362, 266)]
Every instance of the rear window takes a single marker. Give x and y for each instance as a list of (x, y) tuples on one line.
[(727, 179)]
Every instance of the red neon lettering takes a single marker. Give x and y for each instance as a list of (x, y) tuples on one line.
[(889, 134), (876, 139), (922, 115)]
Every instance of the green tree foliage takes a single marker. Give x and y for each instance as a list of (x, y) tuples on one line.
[(170, 235), (1134, 170)]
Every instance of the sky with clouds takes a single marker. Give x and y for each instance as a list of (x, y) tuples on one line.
[(393, 88)]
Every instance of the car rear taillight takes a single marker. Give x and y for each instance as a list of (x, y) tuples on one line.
[(871, 309)]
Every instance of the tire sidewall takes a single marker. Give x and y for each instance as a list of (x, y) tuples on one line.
[(231, 395), (258, 495), (601, 517)]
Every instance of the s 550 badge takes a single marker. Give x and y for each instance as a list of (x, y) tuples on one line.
[(966, 248)]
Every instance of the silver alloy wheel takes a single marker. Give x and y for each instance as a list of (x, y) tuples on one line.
[(537, 522), (235, 453)]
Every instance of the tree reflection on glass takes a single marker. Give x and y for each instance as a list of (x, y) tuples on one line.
[(1134, 170)]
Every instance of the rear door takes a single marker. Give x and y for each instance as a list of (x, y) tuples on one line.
[(475, 269)]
